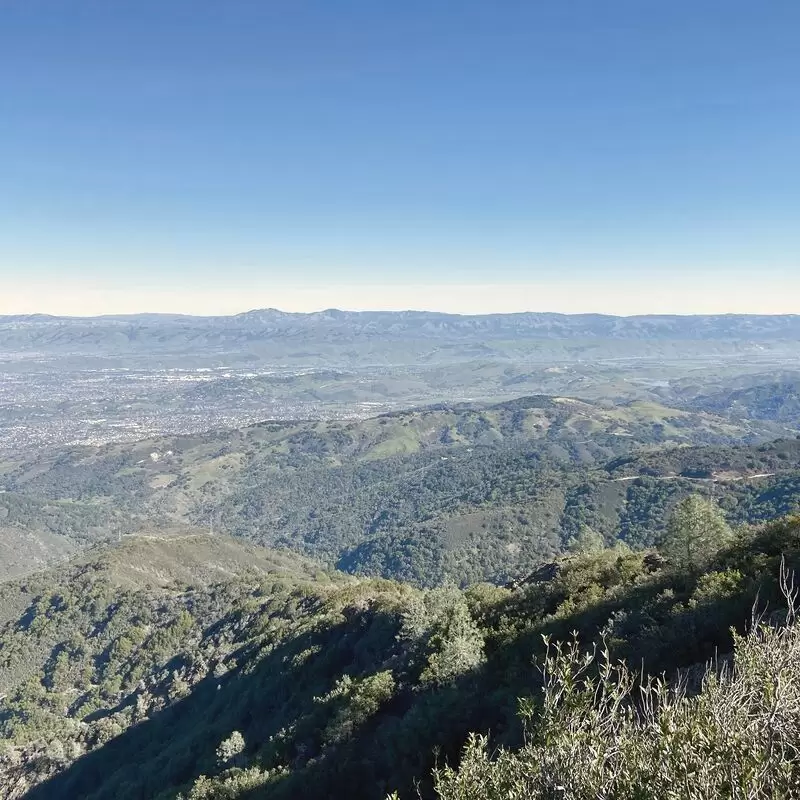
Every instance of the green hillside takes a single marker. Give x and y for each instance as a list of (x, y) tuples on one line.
[(465, 492), (775, 401), (134, 672)]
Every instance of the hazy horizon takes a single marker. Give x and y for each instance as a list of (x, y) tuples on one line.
[(192, 157), (450, 299)]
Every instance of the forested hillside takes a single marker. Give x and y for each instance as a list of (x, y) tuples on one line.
[(777, 401), (417, 559), (457, 492), (188, 664)]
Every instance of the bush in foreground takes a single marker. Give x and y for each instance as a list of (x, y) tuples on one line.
[(602, 732)]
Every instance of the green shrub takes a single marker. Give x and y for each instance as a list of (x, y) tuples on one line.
[(603, 733)]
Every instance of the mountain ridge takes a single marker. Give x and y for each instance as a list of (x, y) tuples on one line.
[(384, 339), (425, 323), (282, 683), (471, 491)]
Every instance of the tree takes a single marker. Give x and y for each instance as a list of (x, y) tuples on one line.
[(695, 531), (586, 542), (55, 751), (440, 626), (230, 748)]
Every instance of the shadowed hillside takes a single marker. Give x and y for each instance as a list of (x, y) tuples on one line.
[(285, 682)]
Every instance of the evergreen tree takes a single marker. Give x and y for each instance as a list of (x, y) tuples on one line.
[(440, 625), (696, 530)]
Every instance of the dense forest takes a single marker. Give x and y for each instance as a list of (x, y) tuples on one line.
[(419, 604), (458, 493), (191, 665)]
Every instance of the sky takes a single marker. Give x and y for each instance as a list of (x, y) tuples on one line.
[(624, 156)]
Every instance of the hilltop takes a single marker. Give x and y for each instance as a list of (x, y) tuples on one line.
[(461, 491)]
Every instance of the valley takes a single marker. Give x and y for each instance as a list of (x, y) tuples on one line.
[(285, 555), (460, 492), (69, 381)]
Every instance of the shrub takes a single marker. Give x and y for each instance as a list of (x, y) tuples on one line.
[(230, 748), (601, 732)]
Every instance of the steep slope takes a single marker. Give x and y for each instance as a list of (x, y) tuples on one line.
[(274, 684)]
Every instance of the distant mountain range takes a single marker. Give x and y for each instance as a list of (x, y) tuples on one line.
[(272, 322), (401, 336)]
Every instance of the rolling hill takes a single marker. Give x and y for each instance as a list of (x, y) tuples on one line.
[(777, 402), (462, 492)]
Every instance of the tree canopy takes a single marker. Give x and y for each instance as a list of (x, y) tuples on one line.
[(695, 531)]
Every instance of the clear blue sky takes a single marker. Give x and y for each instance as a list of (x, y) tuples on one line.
[(548, 154)]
